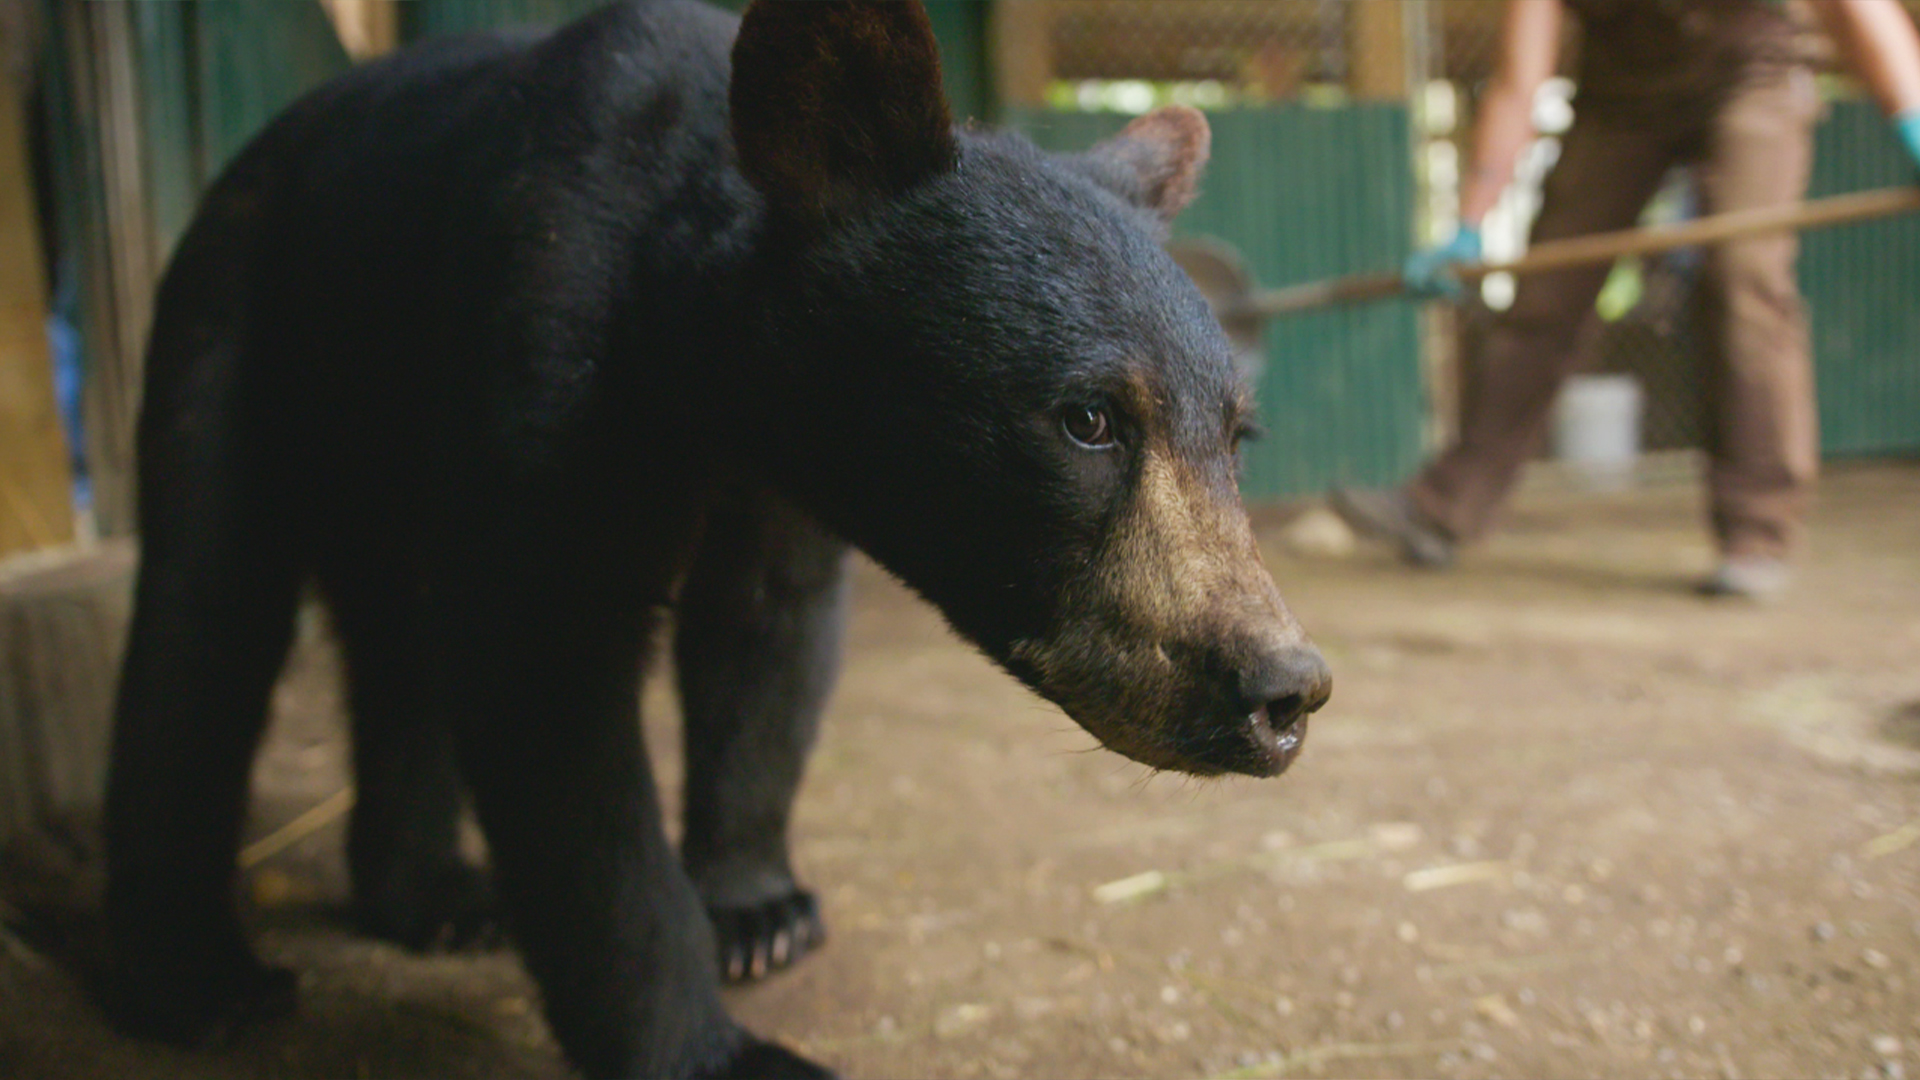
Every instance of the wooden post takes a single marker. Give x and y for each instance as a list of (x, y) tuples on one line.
[(367, 28), (1377, 67), (36, 487), (63, 623), (123, 260), (1022, 36)]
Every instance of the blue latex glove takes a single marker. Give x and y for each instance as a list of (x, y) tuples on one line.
[(1430, 273), (1908, 125)]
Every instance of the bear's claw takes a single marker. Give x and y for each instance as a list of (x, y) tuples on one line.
[(759, 939)]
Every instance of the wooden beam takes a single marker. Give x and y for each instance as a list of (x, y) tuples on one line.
[(366, 28), (63, 624), (119, 256), (1022, 35), (36, 486), (1377, 68)]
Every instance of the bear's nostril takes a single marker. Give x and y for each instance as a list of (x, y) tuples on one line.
[(1275, 690), (1282, 712), (1286, 687)]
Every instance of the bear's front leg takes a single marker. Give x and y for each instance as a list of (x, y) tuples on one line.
[(757, 649), (547, 732)]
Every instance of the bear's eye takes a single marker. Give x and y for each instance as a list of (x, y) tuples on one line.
[(1088, 425)]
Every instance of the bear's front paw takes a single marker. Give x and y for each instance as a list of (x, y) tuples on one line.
[(759, 939)]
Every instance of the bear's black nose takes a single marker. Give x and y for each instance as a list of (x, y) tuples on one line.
[(1282, 687)]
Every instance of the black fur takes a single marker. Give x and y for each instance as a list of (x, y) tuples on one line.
[(497, 342)]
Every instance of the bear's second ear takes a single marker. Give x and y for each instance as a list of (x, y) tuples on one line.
[(1155, 161), (837, 104)]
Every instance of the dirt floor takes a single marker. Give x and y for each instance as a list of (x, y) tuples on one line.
[(1562, 818)]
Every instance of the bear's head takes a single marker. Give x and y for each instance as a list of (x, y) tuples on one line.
[(981, 367)]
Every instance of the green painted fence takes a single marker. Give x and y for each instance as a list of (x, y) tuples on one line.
[(1862, 287), (211, 75), (200, 79), (1306, 193)]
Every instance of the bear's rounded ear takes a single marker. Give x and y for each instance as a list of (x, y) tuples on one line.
[(1155, 161), (837, 104)]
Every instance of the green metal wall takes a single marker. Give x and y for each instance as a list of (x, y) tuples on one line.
[(251, 61), (200, 78), (211, 75), (1307, 193), (961, 28), (1862, 288)]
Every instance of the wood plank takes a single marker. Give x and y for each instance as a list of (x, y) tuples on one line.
[(63, 623), (36, 486), (366, 28), (132, 266), (1022, 34), (1378, 49)]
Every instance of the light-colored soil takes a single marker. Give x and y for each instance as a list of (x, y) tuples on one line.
[(1562, 818)]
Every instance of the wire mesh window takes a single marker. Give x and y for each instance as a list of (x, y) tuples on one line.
[(1250, 49), (1130, 55)]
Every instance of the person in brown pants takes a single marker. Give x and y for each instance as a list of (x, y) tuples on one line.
[(1713, 83)]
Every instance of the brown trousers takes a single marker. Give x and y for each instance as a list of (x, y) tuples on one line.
[(1754, 150)]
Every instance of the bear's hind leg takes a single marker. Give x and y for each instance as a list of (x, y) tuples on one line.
[(410, 883), (757, 648), (213, 617)]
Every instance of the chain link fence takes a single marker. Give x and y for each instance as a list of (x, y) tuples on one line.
[(1228, 50), (1128, 55)]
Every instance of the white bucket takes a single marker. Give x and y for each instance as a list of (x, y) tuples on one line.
[(1596, 428)]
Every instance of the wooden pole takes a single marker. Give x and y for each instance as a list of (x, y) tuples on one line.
[(1378, 66), (124, 266), (63, 623), (36, 486), (366, 28), (1022, 33), (1599, 247)]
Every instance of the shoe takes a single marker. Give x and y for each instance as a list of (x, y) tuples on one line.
[(1390, 515), (1748, 577)]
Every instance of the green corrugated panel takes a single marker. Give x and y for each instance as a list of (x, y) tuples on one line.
[(74, 176), (1862, 284), (1303, 194), (168, 111), (210, 76), (961, 28), (253, 60), (205, 77)]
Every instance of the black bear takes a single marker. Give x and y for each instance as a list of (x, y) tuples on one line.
[(512, 344)]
